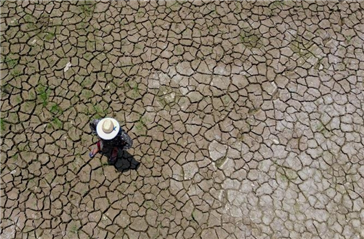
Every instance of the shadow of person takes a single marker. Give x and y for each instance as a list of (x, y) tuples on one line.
[(125, 162)]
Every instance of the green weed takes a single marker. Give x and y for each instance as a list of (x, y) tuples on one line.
[(19, 99), (277, 4), (43, 94), (57, 123), (2, 125), (179, 49), (140, 13), (74, 229), (140, 126), (56, 109), (15, 73), (251, 39), (87, 9), (15, 156), (99, 111), (86, 82), (49, 36), (226, 100), (87, 94), (10, 62)]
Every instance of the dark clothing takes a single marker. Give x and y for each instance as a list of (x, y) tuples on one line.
[(121, 140)]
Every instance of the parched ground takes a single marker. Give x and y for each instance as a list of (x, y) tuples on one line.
[(247, 119)]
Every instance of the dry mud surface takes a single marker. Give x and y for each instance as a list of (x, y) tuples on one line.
[(247, 119)]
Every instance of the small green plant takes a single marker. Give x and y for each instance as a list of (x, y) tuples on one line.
[(57, 123), (348, 39), (87, 8), (56, 109), (99, 112), (140, 126), (19, 99), (88, 94), (15, 156), (2, 125), (74, 229), (87, 56), (15, 73), (277, 4), (49, 36), (250, 39), (140, 13), (10, 62), (86, 82), (43, 94), (226, 100), (179, 49)]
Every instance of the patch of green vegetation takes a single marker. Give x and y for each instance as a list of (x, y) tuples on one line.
[(88, 94), (15, 73), (43, 94), (87, 82), (87, 8), (19, 99), (49, 36), (88, 56), (23, 146), (10, 62), (140, 13), (226, 100), (134, 87), (74, 229), (141, 125), (320, 127), (56, 109), (179, 49), (302, 47), (251, 38), (277, 4), (30, 22), (98, 111), (15, 156), (2, 125), (348, 39)]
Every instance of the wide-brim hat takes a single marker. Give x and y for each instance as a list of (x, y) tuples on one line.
[(107, 128)]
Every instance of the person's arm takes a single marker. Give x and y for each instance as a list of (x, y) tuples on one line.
[(93, 125), (127, 142)]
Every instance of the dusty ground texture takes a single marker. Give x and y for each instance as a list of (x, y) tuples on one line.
[(247, 119)]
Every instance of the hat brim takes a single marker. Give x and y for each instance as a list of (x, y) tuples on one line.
[(107, 136)]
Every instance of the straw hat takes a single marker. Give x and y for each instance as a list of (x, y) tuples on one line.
[(107, 128)]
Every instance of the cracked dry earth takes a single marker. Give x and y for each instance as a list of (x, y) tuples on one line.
[(247, 119)]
